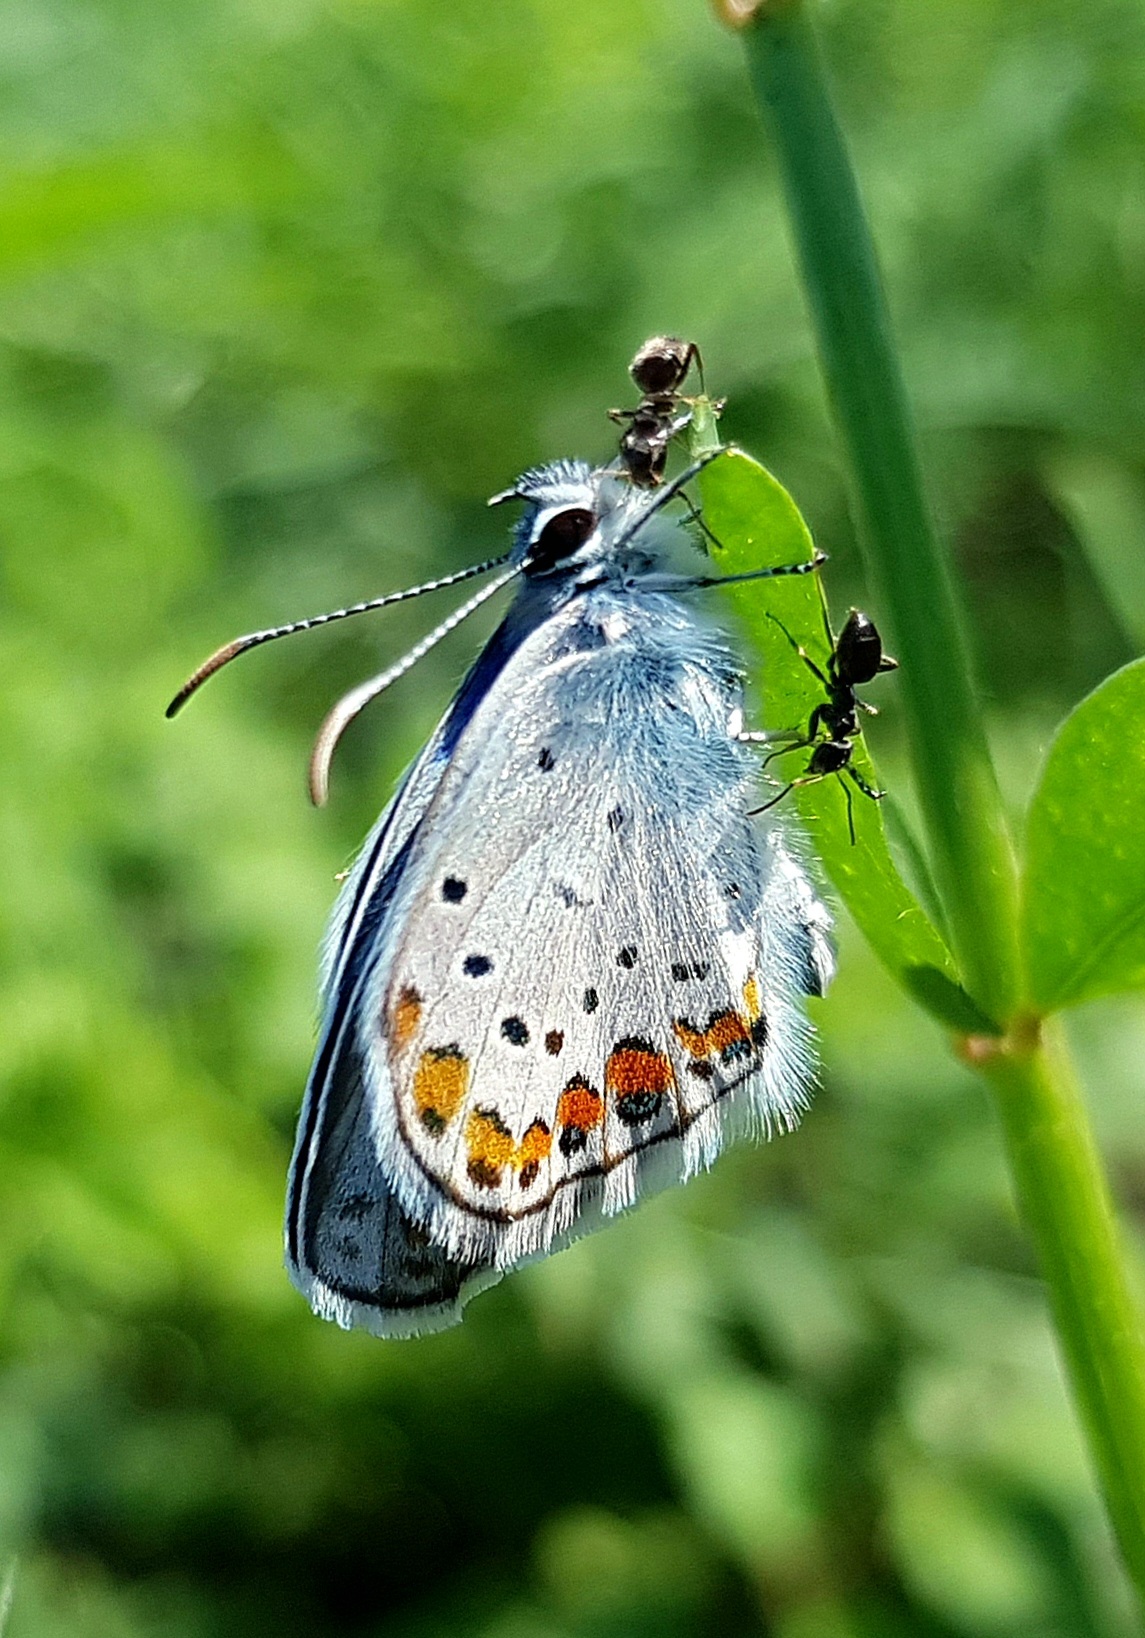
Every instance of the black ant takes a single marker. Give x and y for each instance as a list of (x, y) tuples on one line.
[(856, 658), (659, 369)]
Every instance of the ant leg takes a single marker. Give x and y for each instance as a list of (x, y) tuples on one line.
[(871, 710), (850, 809), (867, 790), (800, 650)]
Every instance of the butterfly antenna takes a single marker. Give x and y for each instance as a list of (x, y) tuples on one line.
[(808, 566), (348, 707), (701, 582), (239, 645)]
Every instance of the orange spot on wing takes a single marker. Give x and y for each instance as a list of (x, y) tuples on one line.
[(405, 1016), (490, 1148), (636, 1066), (636, 1077), (727, 1031), (534, 1146), (730, 1036), (580, 1105), (694, 1041), (723, 1030), (439, 1086), (487, 1138)]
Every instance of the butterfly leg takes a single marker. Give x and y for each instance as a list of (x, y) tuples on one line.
[(792, 784), (696, 517), (769, 736), (799, 744), (770, 803)]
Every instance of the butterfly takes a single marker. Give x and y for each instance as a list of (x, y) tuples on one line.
[(568, 965)]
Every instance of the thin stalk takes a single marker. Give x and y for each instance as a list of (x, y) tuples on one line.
[(971, 855), (1065, 1202)]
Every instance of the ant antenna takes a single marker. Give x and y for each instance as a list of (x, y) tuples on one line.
[(239, 645), (348, 707)]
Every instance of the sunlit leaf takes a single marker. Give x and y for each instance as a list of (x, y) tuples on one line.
[(1083, 914), (758, 525)]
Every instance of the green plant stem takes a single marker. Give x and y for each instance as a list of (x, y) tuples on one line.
[(971, 855), (1064, 1199), (1055, 1167)]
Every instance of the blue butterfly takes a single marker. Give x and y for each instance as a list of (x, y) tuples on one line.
[(568, 964)]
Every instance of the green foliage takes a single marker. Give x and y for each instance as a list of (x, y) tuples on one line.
[(1058, 1175), (1084, 886), (286, 290), (759, 526)]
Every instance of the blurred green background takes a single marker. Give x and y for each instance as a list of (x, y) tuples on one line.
[(287, 288)]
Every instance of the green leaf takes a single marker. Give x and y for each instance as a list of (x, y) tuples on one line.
[(758, 525), (1083, 901)]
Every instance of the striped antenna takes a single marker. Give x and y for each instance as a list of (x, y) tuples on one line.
[(702, 582), (352, 703), (682, 583), (670, 491), (239, 645)]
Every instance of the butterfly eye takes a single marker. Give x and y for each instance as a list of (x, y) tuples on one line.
[(560, 538)]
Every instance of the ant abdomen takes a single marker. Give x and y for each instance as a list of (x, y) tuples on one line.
[(859, 653)]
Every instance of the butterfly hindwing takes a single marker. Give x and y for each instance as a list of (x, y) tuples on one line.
[(351, 1248), (588, 978)]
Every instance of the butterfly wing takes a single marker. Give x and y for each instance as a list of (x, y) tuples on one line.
[(585, 978), (350, 1248)]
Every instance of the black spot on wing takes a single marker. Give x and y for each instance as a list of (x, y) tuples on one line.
[(636, 1108)]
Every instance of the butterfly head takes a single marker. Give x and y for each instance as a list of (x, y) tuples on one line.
[(573, 516)]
